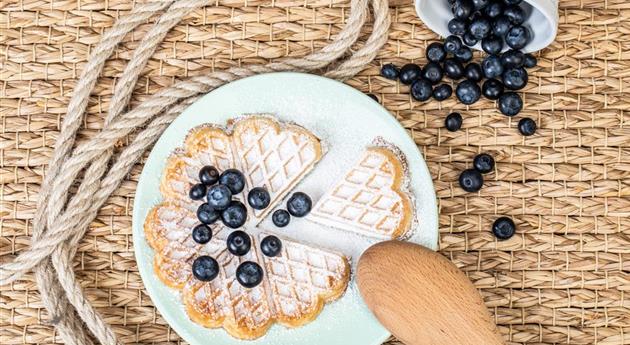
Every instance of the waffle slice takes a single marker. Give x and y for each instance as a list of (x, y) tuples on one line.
[(301, 279), (372, 197), (204, 145), (273, 155), (168, 229), (223, 302)]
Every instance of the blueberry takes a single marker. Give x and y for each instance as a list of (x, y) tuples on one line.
[(484, 163), (492, 89), (280, 218), (197, 192), (469, 39), (432, 72), (515, 78), (205, 268), (452, 44), (453, 69), (389, 71), (480, 27), (530, 61), (517, 37), (491, 66), (202, 234), (457, 26), (503, 228), (492, 44), (421, 90), (473, 72), (513, 2), (510, 103), (409, 73), (442, 92), (463, 8), (238, 243), (219, 197), (480, 4), (501, 25), (470, 180), (208, 175), (235, 215), (464, 54), (512, 58), (299, 204), (206, 214), (233, 179), (468, 92), (271, 246), (453, 122), (494, 9), (515, 14), (527, 126), (249, 274), (258, 198), (435, 52)]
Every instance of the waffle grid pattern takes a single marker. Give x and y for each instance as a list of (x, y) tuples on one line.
[(273, 159), (363, 199), (564, 279)]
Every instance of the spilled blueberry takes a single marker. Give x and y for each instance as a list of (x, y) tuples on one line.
[(484, 163), (503, 228), (510, 103), (453, 122), (389, 71), (470, 180), (409, 73), (527, 126)]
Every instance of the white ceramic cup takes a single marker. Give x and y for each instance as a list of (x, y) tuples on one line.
[(542, 20)]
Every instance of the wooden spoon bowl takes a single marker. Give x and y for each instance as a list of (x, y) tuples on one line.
[(423, 298)]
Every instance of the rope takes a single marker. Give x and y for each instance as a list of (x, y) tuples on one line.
[(62, 217)]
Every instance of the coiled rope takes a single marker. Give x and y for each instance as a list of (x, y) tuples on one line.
[(63, 217)]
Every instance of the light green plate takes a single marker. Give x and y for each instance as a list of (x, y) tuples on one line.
[(346, 120)]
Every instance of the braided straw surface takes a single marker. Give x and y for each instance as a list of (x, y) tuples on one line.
[(563, 279)]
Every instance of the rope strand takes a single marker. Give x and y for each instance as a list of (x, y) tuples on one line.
[(61, 220)]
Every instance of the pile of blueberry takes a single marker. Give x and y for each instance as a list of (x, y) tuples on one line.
[(218, 189), (493, 23)]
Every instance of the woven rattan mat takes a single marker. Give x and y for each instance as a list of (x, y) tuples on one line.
[(565, 277)]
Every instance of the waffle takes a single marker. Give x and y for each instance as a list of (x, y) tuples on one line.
[(273, 155), (371, 198), (295, 286), (204, 145)]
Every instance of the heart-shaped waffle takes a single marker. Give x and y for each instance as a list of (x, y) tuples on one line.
[(296, 283), (372, 198)]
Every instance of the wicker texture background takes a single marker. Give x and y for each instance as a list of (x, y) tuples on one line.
[(563, 279)]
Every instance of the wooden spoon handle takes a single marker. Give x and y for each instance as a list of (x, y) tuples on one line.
[(423, 298)]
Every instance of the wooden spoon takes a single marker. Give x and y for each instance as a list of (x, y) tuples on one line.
[(423, 298)]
